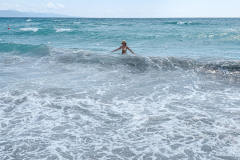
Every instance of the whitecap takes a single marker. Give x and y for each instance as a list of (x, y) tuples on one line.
[(76, 22), (29, 20), (211, 36), (181, 23), (63, 30), (29, 29)]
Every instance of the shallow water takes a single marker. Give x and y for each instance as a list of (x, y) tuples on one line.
[(72, 99)]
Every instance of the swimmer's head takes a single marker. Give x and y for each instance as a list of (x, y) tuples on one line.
[(124, 42)]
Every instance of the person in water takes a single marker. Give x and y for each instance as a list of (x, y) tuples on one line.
[(124, 48)]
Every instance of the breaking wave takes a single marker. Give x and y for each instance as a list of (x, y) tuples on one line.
[(137, 63)]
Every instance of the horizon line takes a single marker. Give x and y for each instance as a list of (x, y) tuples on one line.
[(120, 17)]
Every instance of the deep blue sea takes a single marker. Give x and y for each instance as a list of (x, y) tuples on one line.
[(65, 95)]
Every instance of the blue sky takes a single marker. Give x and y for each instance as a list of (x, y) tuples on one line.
[(128, 8)]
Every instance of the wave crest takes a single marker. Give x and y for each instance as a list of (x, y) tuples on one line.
[(133, 63), (63, 30), (148, 63), (16, 48), (185, 23), (29, 29)]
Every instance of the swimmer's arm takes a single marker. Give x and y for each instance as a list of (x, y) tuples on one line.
[(130, 50), (116, 49)]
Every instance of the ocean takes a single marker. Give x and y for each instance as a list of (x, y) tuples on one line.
[(65, 95)]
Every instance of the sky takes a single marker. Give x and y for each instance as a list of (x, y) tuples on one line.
[(128, 8)]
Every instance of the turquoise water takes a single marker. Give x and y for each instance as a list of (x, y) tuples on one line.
[(153, 37), (64, 95)]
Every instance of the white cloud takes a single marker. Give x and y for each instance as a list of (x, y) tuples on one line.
[(60, 5), (42, 8), (52, 6), (6, 6)]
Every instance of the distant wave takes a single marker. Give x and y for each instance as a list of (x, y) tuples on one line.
[(63, 30), (15, 48), (29, 20), (57, 20), (184, 23), (29, 29)]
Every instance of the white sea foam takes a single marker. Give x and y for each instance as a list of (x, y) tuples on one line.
[(106, 112), (29, 20), (79, 104), (63, 30), (77, 22), (181, 22), (231, 38), (167, 119), (211, 36), (29, 29)]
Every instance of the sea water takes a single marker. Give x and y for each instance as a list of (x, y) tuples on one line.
[(64, 95)]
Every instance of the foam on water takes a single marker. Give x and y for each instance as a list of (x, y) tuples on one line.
[(165, 120), (115, 112), (57, 20), (63, 30), (178, 98), (29, 29), (182, 23)]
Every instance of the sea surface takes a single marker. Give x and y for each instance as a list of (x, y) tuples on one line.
[(65, 95)]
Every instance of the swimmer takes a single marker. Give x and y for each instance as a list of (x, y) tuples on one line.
[(124, 48)]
